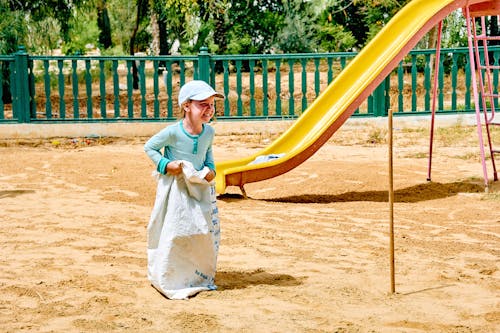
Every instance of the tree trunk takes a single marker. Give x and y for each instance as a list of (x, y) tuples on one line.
[(433, 37), (155, 33), (163, 35), (142, 6), (104, 25)]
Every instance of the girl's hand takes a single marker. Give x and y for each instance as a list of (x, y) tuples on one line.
[(174, 168), (210, 176)]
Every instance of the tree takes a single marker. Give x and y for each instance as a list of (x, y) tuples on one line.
[(252, 26), (12, 34), (226, 27), (376, 13), (178, 24), (336, 26), (140, 16), (122, 15), (142, 9), (104, 25), (62, 11), (342, 26), (297, 33)]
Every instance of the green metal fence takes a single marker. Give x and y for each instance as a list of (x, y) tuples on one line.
[(278, 86)]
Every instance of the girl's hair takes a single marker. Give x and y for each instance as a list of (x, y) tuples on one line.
[(182, 112)]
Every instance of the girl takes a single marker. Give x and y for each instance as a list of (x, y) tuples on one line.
[(183, 231)]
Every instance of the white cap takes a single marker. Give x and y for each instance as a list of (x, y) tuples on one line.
[(197, 90)]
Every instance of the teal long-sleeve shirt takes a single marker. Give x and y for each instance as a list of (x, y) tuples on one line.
[(178, 144)]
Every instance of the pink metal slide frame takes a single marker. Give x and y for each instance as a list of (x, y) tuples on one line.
[(480, 72)]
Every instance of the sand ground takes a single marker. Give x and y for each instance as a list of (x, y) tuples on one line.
[(308, 251)]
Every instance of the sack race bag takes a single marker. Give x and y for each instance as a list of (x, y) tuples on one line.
[(183, 234)]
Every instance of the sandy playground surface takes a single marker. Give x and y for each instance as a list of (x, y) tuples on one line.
[(306, 252)]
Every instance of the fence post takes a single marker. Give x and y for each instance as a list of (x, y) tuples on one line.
[(204, 64), (21, 98), (380, 99)]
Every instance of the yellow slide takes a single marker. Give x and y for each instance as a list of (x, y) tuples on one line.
[(343, 96)]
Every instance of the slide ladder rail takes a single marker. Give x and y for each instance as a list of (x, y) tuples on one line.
[(485, 73)]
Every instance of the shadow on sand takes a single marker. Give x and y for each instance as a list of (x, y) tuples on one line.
[(417, 193), (240, 279), (14, 193)]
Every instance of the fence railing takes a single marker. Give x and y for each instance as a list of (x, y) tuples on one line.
[(144, 88)]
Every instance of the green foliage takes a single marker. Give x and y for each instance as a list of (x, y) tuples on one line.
[(242, 45), (44, 36), (340, 20), (116, 50), (62, 11), (13, 30), (252, 27), (12, 34), (226, 27), (297, 31), (122, 19), (185, 23), (84, 32), (454, 30), (334, 38), (376, 13)]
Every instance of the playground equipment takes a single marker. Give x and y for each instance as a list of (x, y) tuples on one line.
[(484, 78), (353, 85), (486, 74)]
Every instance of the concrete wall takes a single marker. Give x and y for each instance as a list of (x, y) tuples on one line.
[(144, 129)]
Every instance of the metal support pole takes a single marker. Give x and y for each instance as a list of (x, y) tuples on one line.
[(437, 61), (391, 204), (476, 70)]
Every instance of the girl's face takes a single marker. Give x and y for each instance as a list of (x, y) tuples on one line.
[(202, 110)]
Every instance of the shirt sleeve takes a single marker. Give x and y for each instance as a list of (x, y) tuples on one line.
[(154, 146), (209, 157)]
